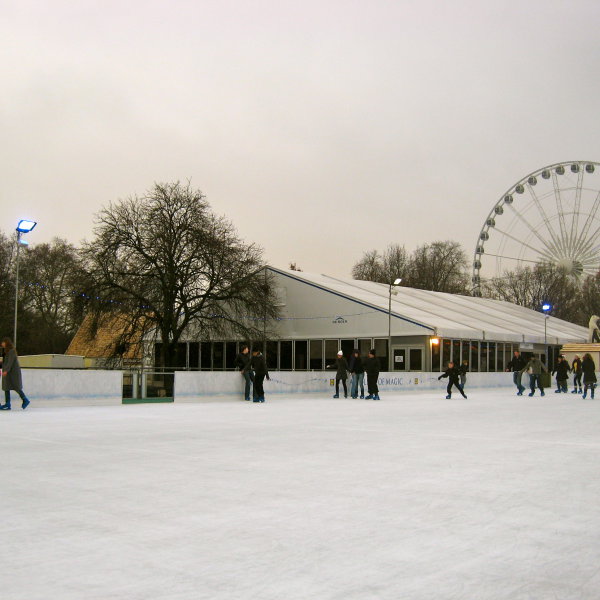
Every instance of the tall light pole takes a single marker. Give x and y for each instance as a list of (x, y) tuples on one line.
[(24, 226), (546, 308), (397, 281)]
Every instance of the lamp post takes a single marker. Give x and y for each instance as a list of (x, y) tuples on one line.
[(24, 226), (546, 308), (395, 282)]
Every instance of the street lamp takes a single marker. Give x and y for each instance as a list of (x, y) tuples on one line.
[(397, 281), (546, 308), (24, 226)]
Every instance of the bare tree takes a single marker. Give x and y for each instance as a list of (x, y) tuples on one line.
[(170, 264), (440, 267), (534, 286), (590, 299), (369, 267), (50, 275)]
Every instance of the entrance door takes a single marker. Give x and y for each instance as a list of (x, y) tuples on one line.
[(399, 363)]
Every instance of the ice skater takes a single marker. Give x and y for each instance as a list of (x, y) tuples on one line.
[(259, 366), (358, 374), (577, 373), (372, 371), (453, 375), (534, 368), (242, 362), (11, 375), (463, 370), (589, 375), (562, 370), (341, 366), (516, 365)]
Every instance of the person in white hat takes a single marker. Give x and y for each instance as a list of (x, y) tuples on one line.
[(341, 365)]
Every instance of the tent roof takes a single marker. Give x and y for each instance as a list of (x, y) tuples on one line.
[(451, 315)]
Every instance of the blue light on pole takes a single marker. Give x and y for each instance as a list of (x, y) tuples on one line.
[(25, 226), (546, 308)]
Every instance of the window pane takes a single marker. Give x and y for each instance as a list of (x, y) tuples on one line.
[(218, 356), (364, 345), (416, 359), (331, 348), (474, 357), (285, 355), (466, 349), (272, 355), (483, 353), (499, 357), (446, 346), (381, 350), (230, 354), (316, 354), (194, 355), (456, 352), (491, 356), (300, 355), (435, 357), (205, 359)]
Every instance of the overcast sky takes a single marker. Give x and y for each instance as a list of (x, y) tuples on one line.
[(320, 128)]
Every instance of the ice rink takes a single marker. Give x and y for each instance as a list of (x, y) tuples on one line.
[(411, 498)]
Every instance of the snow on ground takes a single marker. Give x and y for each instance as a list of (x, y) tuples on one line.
[(413, 498)]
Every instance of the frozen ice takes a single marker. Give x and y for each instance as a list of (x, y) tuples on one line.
[(411, 498)]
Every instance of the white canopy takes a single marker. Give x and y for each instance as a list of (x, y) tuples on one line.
[(442, 314)]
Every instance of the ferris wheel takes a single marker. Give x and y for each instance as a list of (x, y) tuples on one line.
[(551, 215)]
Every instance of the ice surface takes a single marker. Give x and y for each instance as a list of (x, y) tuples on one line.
[(411, 498)]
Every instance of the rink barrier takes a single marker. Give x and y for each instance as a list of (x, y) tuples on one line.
[(86, 387), (89, 387), (191, 386)]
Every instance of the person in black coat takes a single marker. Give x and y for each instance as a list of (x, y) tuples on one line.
[(242, 363), (259, 366), (589, 374), (358, 374), (372, 371), (562, 370), (453, 375), (11, 375), (577, 373), (516, 365), (341, 366)]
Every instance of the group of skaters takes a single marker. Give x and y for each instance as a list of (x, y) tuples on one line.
[(582, 369), (358, 368), (253, 368)]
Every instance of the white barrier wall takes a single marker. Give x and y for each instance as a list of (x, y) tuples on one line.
[(70, 387), (95, 388), (195, 385)]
